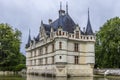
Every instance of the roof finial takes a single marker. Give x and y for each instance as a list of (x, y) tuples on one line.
[(89, 28), (29, 38), (67, 7), (41, 22), (88, 13), (60, 5)]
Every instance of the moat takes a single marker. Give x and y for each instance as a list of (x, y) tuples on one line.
[(33, 77)]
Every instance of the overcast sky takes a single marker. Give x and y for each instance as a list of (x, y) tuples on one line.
[(27, 14)]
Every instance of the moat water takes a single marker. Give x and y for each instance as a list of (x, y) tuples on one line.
[(32, 77)]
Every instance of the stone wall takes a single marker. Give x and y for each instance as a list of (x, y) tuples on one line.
[(63, 70)]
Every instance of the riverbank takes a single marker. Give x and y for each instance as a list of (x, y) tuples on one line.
[(107, 72), (12, 72), (107, 77), (7, 72), (97, 73)]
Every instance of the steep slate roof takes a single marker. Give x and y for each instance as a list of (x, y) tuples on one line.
[(89, 28), (66, 22), (29, 39), (47, 28)]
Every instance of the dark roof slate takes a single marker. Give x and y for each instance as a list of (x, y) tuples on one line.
[(66, 22), (89, 30), (47, 28), (29, 40)]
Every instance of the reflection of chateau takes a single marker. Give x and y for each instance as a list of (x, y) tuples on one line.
[(62, 48), (33, 77)]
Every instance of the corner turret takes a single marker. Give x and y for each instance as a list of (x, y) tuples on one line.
[(29, 40), (89, 30)]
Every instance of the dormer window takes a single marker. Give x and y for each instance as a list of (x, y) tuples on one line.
[(59, 32), (77, 34)]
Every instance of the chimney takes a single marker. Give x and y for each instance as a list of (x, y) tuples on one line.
[(61, 12), (50, 21)]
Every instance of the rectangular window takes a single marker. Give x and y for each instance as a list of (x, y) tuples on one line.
[(35, 53), (31, 62), (76, 47), (63, 33), (52, 59), (40, 51), (46, 49), (77, 34), (56, 33), (35, 62), (40, 61), (30, 54), (60, 45), (73, 36), (70, 35), (60, 33), (76, 59), (45, 60), (52, 47)]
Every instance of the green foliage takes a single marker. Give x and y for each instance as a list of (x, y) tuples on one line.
[(10, 40), (20, 67), (108, 44)]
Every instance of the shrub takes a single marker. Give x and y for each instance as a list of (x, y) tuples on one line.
[(20, 67)]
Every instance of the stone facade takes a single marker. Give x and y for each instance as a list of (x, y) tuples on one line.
[(61, 52)]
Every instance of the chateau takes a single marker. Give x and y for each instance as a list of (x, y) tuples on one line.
[(62, 48)]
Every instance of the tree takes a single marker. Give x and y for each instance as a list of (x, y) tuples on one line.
[(108, 44), (10, 40)]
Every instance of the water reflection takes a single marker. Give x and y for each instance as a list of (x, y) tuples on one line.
[(31, 77)]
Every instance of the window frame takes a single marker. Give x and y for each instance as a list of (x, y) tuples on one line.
[(76, 59)]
